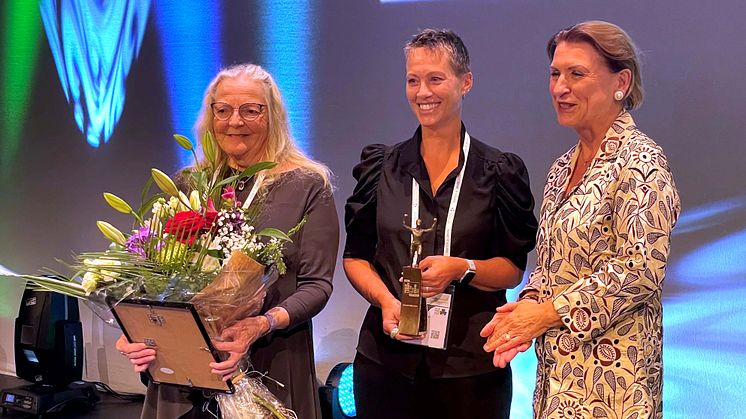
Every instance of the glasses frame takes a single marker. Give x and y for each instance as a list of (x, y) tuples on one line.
[(234, 109)]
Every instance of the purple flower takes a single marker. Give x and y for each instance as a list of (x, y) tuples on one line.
[(139, 241)]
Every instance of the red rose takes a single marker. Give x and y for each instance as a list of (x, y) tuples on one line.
[(210, 217), (187, 225)]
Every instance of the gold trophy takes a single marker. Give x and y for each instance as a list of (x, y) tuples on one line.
[(413, 316)]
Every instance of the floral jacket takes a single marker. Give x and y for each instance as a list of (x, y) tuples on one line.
[(602, 252)]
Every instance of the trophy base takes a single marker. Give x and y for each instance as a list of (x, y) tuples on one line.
[(413, 316)]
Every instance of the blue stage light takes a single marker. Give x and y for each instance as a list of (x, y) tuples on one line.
[(346, 393), (337, 394), (191, 48), (287, 36)]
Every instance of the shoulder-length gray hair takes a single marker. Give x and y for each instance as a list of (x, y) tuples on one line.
[(280, 145)]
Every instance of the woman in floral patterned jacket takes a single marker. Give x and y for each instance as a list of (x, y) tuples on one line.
[(593, 303)]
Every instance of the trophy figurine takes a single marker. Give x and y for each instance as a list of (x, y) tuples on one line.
[(413, 317)]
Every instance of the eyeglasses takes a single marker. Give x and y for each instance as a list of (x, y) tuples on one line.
[(248, 111)]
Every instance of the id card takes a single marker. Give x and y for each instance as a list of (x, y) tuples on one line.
[(438, 319)]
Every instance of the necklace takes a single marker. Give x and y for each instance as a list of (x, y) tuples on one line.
[(241, 184)]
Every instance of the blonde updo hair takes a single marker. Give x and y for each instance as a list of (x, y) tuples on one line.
[(614, 46), (280, 145)]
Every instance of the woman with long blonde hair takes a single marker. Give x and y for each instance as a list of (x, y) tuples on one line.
[(244, 112)]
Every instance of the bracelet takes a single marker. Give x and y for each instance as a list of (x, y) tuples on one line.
[(272, 322)]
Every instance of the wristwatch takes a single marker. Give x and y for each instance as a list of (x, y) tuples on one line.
[(471, 271)]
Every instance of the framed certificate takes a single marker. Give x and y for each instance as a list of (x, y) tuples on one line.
[(176, 332)]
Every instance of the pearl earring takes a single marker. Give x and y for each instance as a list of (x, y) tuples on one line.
[(619, 95)]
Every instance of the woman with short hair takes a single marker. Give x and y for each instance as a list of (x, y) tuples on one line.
[(485, 228)]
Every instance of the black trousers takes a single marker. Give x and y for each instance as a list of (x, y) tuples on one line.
[(380, 393)]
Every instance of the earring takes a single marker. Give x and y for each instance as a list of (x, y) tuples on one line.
[(619, 95)]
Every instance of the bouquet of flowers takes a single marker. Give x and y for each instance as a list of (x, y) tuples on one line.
[(197, 244)]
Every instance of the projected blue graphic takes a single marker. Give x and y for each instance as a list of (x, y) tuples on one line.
[(94, 44), (189, 31), (709, 215), (287, 37), (704, 331), (720, 261)]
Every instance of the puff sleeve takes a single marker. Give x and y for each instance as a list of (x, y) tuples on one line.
[(514, 221), (360, 209)]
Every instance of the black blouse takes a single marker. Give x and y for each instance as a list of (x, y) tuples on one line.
[(494, 217)]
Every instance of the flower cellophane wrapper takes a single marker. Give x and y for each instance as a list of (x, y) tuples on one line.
[(238, 292), (96, 301), (252, 399)]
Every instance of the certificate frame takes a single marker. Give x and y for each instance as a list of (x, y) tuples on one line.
[(175, 330)]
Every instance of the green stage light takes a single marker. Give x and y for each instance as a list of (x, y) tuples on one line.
[(22, 26)]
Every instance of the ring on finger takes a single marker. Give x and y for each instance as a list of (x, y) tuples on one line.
[(506, 337), (394, 332)]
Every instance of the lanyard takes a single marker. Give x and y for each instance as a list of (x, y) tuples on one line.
[(451, 207), (253, 192)]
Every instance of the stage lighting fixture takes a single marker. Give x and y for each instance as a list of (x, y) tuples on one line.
[(48, 353), (337, 395)]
